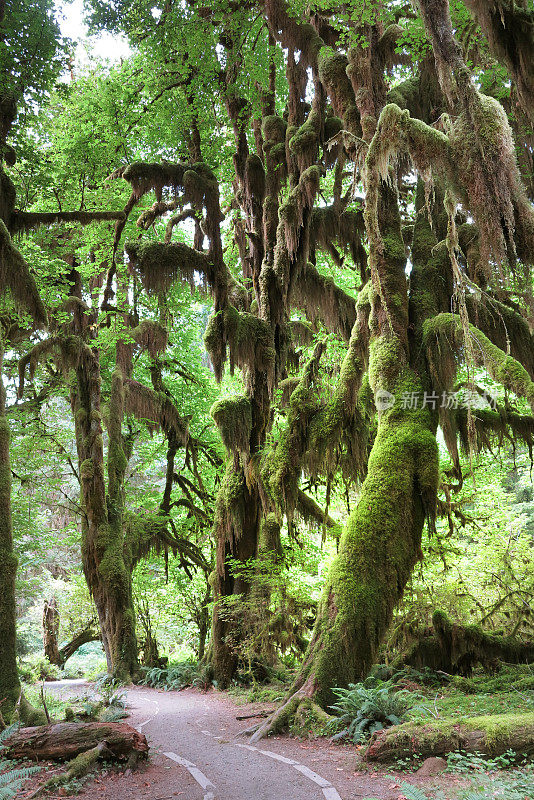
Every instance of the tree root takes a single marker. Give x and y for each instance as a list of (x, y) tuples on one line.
[(299, 710)]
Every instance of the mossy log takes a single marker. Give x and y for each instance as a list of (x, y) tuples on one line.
[(66, 740), (456, 648), (488, 735)]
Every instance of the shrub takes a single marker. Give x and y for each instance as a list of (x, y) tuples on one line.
[(37, 668), (363, 710), (177, 676)]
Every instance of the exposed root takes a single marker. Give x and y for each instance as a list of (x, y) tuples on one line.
[(298, 710)]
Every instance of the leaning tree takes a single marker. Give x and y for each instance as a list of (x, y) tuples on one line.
[(445, 284)]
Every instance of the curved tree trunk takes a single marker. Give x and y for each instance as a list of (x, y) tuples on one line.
[(380, 545), (89, 634)]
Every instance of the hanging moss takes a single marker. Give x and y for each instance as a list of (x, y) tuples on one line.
[(494, 429), (329, 224), (7, 198), (230, 508), (333, 75), (320, 298), (295, 34), (274, 129), (15, 277), (509, 29), (233, 417), (154, 407), (332, 127), (146, 532), (269, 538), (447, 330), (340, 422), (161, 264), (249, 338), (291, 214), (151, 336), (304, 144), (302, 333), (143, 177), (254, 178), (287, 387), (292, 444)]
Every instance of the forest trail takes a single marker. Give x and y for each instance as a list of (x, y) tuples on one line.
[(197, 755)]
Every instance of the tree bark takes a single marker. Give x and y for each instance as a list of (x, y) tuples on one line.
[(103, 550), (51, 631), (488, 735), (68, 739), (9, 678), (239, 544)]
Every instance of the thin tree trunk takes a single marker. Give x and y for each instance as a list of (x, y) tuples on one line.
[(9, 679), (51, 631)]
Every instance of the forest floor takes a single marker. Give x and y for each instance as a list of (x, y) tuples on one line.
[(196, 754)]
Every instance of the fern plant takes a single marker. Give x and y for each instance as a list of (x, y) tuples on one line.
[(363, 710), (11, 776), (174, 677)]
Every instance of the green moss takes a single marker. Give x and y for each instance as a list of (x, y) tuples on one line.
[(305, 142), (500, 732), (87, 470), (500, 366), (274, 129), (332, 127), (269, 538), (381, 540), (233, 416), (386, 355)]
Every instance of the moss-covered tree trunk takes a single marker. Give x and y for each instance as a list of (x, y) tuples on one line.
[(9, 678), (51, 631), (238, 545), (105, 559)]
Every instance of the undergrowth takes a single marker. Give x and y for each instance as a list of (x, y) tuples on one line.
[(12, 776), (361, 710), (178, 676)]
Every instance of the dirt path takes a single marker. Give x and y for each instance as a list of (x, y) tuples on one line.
[(196, 755)]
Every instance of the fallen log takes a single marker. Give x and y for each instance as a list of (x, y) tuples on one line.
[(65, 740), (78, 768), (489, 735), (456, 648)]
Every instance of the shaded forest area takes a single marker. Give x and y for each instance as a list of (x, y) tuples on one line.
[(267, 352)]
